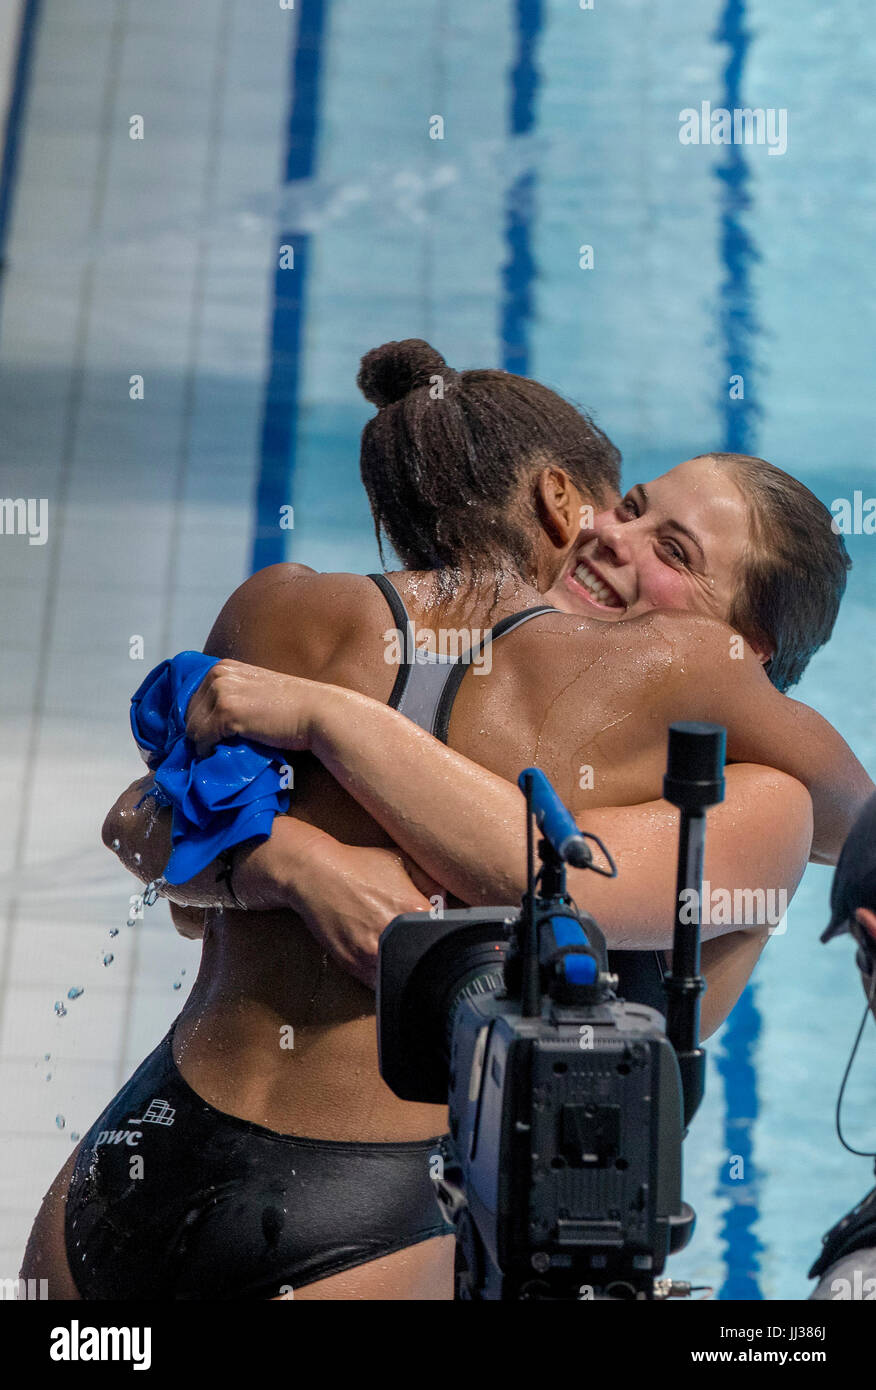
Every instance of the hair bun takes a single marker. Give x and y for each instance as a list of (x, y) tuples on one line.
[(388, 373)]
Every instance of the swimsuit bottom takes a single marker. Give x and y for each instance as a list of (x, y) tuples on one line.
[(172, 1199)]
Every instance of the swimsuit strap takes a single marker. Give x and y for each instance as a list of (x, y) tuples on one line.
[(427, 683)]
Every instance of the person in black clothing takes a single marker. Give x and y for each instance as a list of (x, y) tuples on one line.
[(846, 1267)]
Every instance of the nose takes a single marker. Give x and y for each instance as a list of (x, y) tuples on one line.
[(614, 539)]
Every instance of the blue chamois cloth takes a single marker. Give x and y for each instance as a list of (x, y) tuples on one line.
[(218, 801)]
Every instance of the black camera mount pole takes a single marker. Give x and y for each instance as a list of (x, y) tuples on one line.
[(694, 781), (530, 991)]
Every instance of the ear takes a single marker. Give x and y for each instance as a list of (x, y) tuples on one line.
[(762, 648), (867, 919), (559, 504)]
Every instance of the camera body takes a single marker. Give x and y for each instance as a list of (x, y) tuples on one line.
[(567, 1129), (568, 1105), (566, 1126)]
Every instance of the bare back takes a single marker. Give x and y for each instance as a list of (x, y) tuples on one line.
[(563, 692)]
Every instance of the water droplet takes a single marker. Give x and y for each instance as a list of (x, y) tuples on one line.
[(114, 931), (177, 984), (60, 1121), (47, 1057), (108, 958), (74, 1136), (48, 1076), (182, 972), (138, 858), (116, 845), (74, 991), (130, 922), (59, 1008)]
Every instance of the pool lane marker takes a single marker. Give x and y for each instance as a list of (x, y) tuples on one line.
[(737, 1061), (30, 15), (282, 389), (518, 273)]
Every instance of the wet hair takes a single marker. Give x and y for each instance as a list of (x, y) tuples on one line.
[(446, 458), (793, 571)]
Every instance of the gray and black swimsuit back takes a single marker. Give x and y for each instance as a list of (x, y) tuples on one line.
[(172, 1199)]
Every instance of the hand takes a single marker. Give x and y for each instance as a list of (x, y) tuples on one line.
[(353, 894), (234, 698)]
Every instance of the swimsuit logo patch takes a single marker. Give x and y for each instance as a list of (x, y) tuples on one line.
[(157, 1112)]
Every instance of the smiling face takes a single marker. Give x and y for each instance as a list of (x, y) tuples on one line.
[(677, 542)]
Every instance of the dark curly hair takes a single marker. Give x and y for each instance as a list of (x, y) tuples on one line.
[(445, 457)]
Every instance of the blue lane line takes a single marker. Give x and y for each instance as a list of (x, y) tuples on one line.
[(281, 404), (738, 320), (21, 81), (737, 1062), (518, 273), (737, 1065)]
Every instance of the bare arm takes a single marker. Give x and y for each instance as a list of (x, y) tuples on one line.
[(141, 833), (265, 874), (464, 825), (798, 740), (472, 837), (763, 725), (345, 894), (727, 962)]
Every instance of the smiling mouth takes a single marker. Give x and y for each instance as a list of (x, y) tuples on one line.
[(595, 588)]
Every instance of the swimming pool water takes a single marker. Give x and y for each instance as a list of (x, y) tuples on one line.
[(311, 129)]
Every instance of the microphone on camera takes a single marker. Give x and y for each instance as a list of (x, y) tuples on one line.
[(554, 821)]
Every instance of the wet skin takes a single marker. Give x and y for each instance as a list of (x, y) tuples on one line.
[(561, 687)]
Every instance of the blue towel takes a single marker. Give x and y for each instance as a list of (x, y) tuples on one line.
[(231, 795)]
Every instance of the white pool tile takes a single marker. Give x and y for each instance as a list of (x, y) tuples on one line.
[(92, 1027), (152, 1014), (150, 503), (19, 667)]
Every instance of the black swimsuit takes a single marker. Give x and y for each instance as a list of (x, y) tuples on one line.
[(173, 1199)]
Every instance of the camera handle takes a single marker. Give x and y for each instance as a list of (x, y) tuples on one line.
[(694, 781)]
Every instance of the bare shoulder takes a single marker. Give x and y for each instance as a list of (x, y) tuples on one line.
[(289, 617), (655, 643), (591, 695), (699, 658), (658, 668), (678, 633)]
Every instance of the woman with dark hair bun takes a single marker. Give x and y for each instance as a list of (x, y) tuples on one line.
[(443, 458), (422, 695)]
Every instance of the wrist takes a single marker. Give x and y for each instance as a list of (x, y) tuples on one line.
[(329, 715), (258, 884), (279, 872)]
